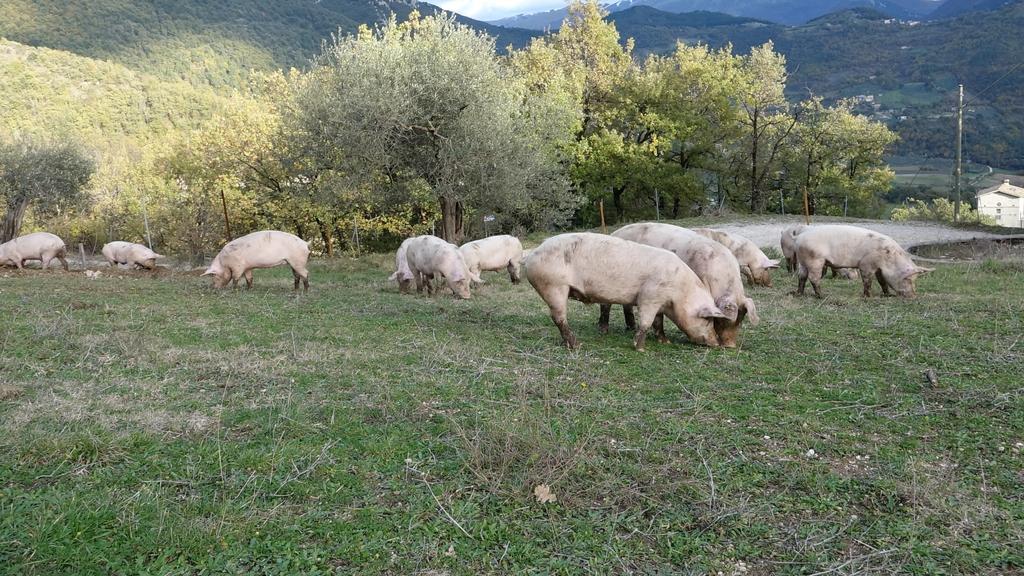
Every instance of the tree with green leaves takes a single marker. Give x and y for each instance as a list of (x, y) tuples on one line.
[(835, 156), (428, 103), (49, 177), (765, 119)]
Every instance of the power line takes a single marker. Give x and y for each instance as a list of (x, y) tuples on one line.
[(997, 81)]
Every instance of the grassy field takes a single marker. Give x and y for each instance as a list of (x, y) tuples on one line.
[(155, 426)]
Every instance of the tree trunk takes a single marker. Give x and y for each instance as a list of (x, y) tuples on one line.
[(755, 194), (12, 221), (325, 235), (452, 229), (620, 210), (810, 193)]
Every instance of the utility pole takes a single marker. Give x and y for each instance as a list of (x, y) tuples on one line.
[(657, 206), (959, 153)]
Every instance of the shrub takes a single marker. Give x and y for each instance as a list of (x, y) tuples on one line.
[(939, 210)]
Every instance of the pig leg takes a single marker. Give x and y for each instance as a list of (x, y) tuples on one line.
[(802, 280), (248, 279), (647, 315), (813, 271), (659, 329), (867, 279), (882, 282), (557, 299), (301, 273), (513, 271), (44, 261), (627, 315), (602, 322)]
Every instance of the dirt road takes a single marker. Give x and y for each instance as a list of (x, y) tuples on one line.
[(766, 233)]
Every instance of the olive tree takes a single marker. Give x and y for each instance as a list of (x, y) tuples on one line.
[(427, 102), (44, 175)]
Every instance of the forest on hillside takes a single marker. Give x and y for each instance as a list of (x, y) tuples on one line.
[(424, 124)]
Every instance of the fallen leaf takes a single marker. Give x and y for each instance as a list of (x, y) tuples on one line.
[(542, 492)]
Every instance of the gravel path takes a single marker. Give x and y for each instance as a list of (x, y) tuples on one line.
[(766, 233)]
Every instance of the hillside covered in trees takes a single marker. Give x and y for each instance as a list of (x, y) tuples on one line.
[(215, 43), (904, 73), (420, 124)]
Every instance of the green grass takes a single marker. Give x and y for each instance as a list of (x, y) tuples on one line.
[(155, 426)]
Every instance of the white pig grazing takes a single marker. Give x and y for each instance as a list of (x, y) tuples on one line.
[(491, 254), (130, 254), (873, 254), (712, 262), (403, 275), (607, 270), (788, 244), (41, 246), (430, 256), (264, 249), (754, 263)]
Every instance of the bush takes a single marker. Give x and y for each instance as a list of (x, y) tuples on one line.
[(939, 210)]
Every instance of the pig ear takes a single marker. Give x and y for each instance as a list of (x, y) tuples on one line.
[(748, 303), (209, 272), (772, 263), (917, 271), (710, 312), (728, 305)]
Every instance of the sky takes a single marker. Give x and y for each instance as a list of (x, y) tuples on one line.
[(494, 9)]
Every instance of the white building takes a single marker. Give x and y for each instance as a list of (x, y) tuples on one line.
[(1005, 203)]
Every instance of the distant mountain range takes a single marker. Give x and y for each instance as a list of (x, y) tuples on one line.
[(903, 73), (792, 12)]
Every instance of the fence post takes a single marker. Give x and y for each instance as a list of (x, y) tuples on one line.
[(81, 252)]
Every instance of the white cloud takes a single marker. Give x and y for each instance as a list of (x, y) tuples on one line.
[(494, 9)]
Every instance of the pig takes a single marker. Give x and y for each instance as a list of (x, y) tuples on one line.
[(430, 256), (873, 254), (264, 249), (595, 268), (41, 246), (403, 275), (493, 253), (712, 262), (136, 255), (754, 264), (788, 245)]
